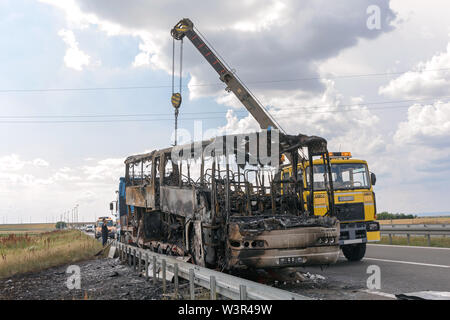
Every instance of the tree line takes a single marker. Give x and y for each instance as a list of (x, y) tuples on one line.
[(388, 216)]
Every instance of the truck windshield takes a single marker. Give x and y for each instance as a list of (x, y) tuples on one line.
[(345, 176)]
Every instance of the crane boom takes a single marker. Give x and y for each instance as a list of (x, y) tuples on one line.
[(186, 28)]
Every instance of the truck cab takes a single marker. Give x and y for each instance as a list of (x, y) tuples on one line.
[(354, 200), (109, 223)]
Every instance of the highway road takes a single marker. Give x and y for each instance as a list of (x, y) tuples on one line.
[(403, 269)]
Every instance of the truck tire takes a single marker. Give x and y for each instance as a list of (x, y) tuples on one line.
[(354, 252)]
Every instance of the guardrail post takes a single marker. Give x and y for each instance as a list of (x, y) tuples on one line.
[(154, 269), (429, 240), (191, 283), (242, 292), (408, 237), (212, 286), (146, 266), (390, 238), (163, 267), (175, 278)]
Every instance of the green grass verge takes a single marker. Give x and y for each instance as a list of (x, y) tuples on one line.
[(420, 241)]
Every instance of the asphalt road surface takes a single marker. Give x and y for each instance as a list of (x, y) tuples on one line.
[(403, 269)]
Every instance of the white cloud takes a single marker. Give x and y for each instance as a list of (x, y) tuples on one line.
[(87, 197), (40, 163), (49, 191), (11, 163), (77, 19), (423, 83), (426, 125), (74, 57), (286, 36), (351, 126), (106, 170)]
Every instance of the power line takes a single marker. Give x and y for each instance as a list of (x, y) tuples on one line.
[(215, 84), (171, 119), (107, 115), (366, 104)]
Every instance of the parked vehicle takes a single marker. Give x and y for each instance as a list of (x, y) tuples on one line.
[(109, 223)]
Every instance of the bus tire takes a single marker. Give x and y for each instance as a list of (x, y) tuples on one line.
[(354, 252)]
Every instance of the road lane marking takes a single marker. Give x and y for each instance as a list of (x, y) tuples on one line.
[(409, 262), (379, 293), (398, 246)]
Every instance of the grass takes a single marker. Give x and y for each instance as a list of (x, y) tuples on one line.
[(417, 241), (34, 228), (421, 220), (30, 253)]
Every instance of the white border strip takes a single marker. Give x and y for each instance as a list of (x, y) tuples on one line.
[(400, 246), (410, 262)]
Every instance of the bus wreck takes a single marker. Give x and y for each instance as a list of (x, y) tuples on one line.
[(222, 204)]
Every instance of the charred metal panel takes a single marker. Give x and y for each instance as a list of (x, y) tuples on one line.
[(139, 196), (178, 201), (268, 242), (153, 225)]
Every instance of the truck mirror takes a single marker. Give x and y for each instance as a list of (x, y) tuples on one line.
[(111, 206), (373, 178)]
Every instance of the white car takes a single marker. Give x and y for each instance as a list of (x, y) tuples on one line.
[(90, 228)]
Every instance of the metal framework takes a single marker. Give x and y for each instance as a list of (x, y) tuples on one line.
[(228, 215)]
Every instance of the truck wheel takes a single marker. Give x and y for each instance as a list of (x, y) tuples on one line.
[(354, 252)]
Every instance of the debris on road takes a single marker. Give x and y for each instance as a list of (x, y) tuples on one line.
[(101, 279)]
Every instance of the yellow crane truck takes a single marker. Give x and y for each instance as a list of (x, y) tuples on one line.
[(354, 199)]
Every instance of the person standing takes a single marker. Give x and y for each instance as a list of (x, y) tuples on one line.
[(104, 232)]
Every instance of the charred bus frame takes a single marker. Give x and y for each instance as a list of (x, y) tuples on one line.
[(225, 219)]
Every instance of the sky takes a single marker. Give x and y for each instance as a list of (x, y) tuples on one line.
[(86, 83)]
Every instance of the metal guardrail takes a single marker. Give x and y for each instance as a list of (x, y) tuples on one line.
[(426, 230), (229, 286)]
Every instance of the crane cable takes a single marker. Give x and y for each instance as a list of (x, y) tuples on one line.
[(176, 96)]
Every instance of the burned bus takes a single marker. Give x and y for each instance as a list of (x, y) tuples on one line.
[(221, 203)]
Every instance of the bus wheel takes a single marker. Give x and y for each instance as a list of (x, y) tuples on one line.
[(354, 252)]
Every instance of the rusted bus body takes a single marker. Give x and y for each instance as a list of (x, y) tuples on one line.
[(223, 215)]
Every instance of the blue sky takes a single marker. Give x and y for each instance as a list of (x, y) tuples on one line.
[(47, 168), (32, 56)]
